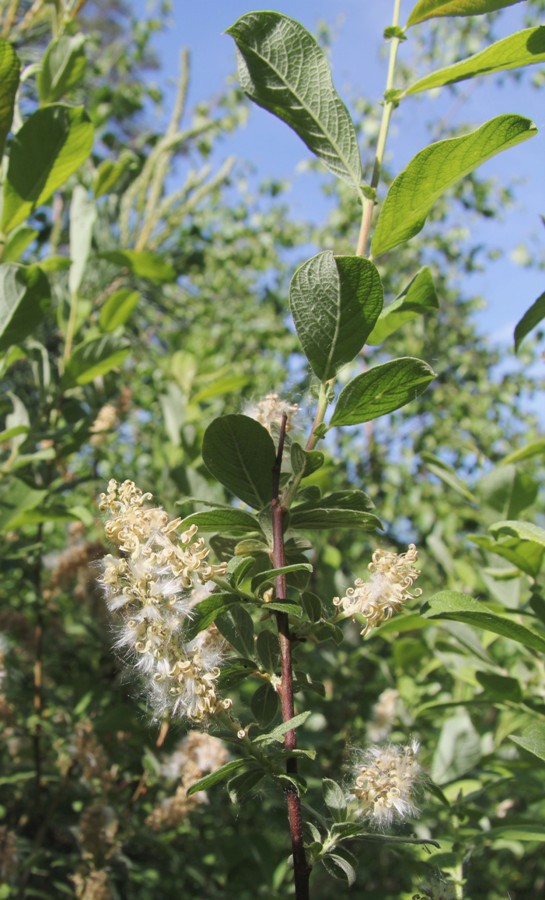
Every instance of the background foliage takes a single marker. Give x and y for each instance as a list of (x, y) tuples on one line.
[(135, 309)]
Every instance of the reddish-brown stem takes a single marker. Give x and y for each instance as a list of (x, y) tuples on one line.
[(300, 865)]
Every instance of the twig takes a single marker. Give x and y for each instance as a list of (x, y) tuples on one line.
[(300, 865)]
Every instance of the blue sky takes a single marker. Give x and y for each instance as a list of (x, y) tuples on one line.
[(357, 64)]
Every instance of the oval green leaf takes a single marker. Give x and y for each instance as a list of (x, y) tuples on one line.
[(283, 69), (240, 453), (25, 296), (416, 299), (462, 608), (525, 48), (335, 302), (435, 169), (430, 9), (227, 521), (9, 82), (62, 67), (525, 531), (381, 390), (51, 146)]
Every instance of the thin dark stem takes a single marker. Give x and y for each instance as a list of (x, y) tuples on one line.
[(38, 672), (300, 865)]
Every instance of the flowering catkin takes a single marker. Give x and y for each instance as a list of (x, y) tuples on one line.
[(151, 590), (386, 779), (392, 575)]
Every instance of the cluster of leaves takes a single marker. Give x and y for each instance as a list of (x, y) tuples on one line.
[(120, 339)]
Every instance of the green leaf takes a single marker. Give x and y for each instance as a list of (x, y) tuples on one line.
[(532, 317), (207, 611), (335, 302), (500, 687), (117, 309), (93, 358), (62, 67), (338, 864), (312, 605), (507, 490), (284, 606), (532, 739), (525, 555), (381, 390), (416, 299), (268, 650), (215, 777), (264, 704), (277, 734), (10, 68), (436, 168), (526, 531), (240, 453), (109, 173), (524, 48), (534, 448), (82, 219), (333, 794), (529, 832), (462, 608), (271, 574), (25, 297), (17, 243), (241, 785), (238, 568), (319, 519), (305, 461), (237, 627), (227, 384), (351, 499), (52, 145), (447, 474), (17, 500), (227, 521), (283, 69), (429, 9), (143, 264)]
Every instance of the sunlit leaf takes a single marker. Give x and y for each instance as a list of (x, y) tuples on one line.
[(335, 302), (63, 65), (118, 308), (437, 168), (9, 82), (142, 263), (203, 784), (416, 299), (429, 9), (532, 739), (462, 608), (381, 390), (525, 531), (93, 358), (525, 48), (532, 317), (52, 145), (283, 69)]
